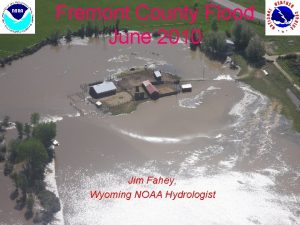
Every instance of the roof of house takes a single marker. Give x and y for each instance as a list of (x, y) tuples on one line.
[(157, 73), (150, 87), (98, 103), (186, 86), (104, 87)]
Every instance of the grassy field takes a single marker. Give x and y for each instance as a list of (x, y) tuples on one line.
[(274, 86), (47, 24), (292, 67)]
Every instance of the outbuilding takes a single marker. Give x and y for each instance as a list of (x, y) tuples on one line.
[(104, 89), (157, 75), (186, 87), (151, 89), (98, 104)]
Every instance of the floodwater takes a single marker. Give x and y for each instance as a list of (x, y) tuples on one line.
[(222, 137)]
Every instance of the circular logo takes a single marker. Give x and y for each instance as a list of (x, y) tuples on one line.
[(282, 16), (17, 17)]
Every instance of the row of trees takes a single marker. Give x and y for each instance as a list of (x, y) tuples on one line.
[(88, 30), (246, 42), (30, 152)]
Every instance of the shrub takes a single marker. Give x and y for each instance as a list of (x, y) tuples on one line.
[(8, 168), (2, 156), (155, 34), (49, 201)]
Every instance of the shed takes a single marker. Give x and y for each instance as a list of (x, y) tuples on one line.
[(151, 89), (98, 104), (186, 87), (102, 90), (157, 74)]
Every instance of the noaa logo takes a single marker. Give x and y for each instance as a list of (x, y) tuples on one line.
[(17, 17), (282, 18)]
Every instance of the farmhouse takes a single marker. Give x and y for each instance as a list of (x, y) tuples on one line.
[(151, 89), (103, 89)]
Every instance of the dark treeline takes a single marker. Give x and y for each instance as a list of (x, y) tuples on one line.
[(246, 43), (26, 158)]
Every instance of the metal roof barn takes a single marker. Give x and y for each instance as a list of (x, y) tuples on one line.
[(104, 89), (151, 89)]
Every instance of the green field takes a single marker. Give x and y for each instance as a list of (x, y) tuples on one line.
[(292, 67), (46, 23)]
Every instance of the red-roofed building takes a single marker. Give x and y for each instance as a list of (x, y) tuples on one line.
[(151, 89)]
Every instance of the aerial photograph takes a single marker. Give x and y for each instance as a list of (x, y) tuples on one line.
[(150, 112)]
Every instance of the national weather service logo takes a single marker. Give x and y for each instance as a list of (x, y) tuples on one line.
[(282, 17), (18, 18)]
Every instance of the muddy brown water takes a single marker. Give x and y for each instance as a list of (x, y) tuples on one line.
[(223, 136)]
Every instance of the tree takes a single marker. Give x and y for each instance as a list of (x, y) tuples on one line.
[(195, 6), (81, 32), (5, 122), (54, 38), (89, 31), (35, 118), (68, 35), (29, 206), (97, 30), (2, 156), (45, 132), (34, 154), (49, 201), (20, 182), (241, 34), (214, 25), (195, 41), (27, 130), (255, 50), (15, 193), (214, 45), (20, 128), (8, 168), (118, 25)]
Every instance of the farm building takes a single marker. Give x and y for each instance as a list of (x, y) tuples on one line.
[(98, 104), (186, 87), (138, 95), (151, 89), (102, 90), (157, 75)]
